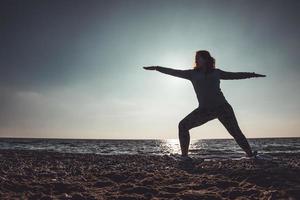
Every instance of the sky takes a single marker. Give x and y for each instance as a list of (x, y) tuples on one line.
[(73, 69)]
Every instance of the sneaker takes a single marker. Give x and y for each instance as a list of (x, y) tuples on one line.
[(254, 154), (186, 159), (263, 157), (257, 156)]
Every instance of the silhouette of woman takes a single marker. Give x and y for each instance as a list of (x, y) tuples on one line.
[(205, 78)]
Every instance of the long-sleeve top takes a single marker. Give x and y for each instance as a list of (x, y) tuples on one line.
[(206, 86)]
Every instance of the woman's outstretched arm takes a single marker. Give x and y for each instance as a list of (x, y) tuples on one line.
[(238, 75), (186, 74)]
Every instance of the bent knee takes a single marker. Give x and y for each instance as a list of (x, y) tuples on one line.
[(182, 126)]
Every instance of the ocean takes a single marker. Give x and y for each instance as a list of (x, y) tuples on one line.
[(206, 148)]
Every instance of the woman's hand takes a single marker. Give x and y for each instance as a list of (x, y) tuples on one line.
[(151, 68), (258, 75)]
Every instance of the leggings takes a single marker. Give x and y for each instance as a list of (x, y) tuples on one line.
[(199, 116)]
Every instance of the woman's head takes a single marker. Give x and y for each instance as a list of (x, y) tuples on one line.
[(203, 60)]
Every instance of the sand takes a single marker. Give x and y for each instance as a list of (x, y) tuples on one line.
[(50, 175)]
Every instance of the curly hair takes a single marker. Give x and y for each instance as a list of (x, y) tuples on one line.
[(210, 61)]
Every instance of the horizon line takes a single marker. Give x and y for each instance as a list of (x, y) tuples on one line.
[(54, 138)]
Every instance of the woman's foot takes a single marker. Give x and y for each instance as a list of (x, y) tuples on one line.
[(186, 158), (253, 154)]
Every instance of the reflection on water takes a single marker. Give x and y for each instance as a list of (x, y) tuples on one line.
[(171, 145), (205, 148)]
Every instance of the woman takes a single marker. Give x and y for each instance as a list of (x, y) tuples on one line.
[(205, 78)]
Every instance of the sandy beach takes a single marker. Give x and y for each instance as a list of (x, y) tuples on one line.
[(51, 175)]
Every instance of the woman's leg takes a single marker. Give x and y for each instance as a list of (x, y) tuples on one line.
[(196, 118), (228, 119)]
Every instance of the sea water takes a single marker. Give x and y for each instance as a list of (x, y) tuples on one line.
[(207, 148)]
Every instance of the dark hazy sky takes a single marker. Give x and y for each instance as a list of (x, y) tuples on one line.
[(74, 68)]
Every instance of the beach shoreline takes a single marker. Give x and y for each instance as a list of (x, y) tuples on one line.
[(36, 174)]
